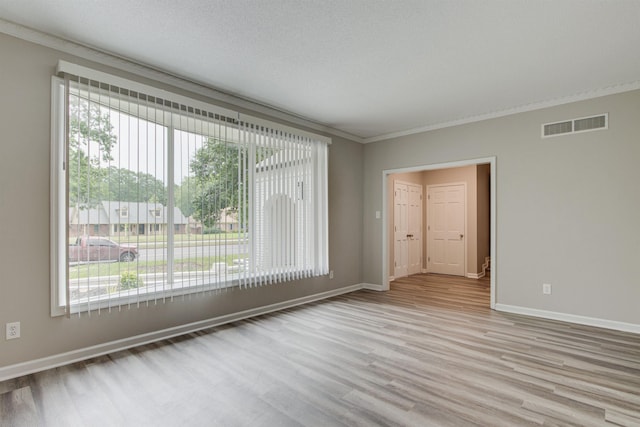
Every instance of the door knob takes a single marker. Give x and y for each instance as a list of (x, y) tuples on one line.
[(461, 236), (409, 235)]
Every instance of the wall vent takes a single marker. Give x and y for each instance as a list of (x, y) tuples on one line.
[(583, 124)]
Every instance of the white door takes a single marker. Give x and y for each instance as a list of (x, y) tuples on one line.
[(400, 229), (407, 216), (446, 217), (414, 231)]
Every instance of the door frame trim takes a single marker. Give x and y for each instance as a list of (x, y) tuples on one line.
[(492, 161), (428, 202)]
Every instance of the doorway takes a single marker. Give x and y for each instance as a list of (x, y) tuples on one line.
[(489, 163)]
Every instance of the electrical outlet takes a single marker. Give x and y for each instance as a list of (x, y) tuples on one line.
[(13, 330), (331, 274), (546, 289)]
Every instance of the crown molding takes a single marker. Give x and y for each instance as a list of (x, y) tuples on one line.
[(582, 96), (147, 71)]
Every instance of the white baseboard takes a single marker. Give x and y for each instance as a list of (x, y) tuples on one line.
[(485, 266), (372, 287), (571, 318), (487, 262), (37, 365)]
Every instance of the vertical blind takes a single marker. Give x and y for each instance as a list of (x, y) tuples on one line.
[(167, 197), (285, 207)]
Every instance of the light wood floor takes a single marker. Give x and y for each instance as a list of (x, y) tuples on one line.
[(427, 353)]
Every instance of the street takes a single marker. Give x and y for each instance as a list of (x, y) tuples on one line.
[(183, 252)]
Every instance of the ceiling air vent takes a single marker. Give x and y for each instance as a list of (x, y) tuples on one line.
[(583, 124)]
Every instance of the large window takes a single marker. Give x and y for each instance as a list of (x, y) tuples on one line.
[(181, 197)]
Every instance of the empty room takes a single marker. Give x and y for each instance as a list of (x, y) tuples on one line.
[(320, 213)]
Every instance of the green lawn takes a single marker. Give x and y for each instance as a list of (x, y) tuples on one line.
[(177, 238), (146, 267)]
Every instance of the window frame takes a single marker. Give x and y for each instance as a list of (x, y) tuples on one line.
[(59, 218), (59, 183)]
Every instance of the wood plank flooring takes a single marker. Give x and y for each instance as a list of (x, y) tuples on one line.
[(427, 353)]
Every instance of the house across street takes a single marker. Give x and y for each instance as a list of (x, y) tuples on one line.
[(115, 218)]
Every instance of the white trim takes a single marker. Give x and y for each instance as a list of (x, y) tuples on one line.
[(385, 234), (57, 230), (571, 318), (37, 365), (150, 72), (583, 96), (487, 261), (492, 161), (493, 239), (372, 287)]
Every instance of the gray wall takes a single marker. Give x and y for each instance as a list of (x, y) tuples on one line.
[(567, 207), (25, 85)]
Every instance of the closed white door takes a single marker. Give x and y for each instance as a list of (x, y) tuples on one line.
[(407, 229), (400, 229), (446, 217), (414, 229)]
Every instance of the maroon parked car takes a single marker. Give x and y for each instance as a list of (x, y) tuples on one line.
[(89, 248)]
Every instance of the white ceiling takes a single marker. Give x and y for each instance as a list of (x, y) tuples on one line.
[(370, 68)]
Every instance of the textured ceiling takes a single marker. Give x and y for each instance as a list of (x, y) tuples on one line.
[(365, 67)]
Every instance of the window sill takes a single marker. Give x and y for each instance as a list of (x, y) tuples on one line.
[(109, 296)]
